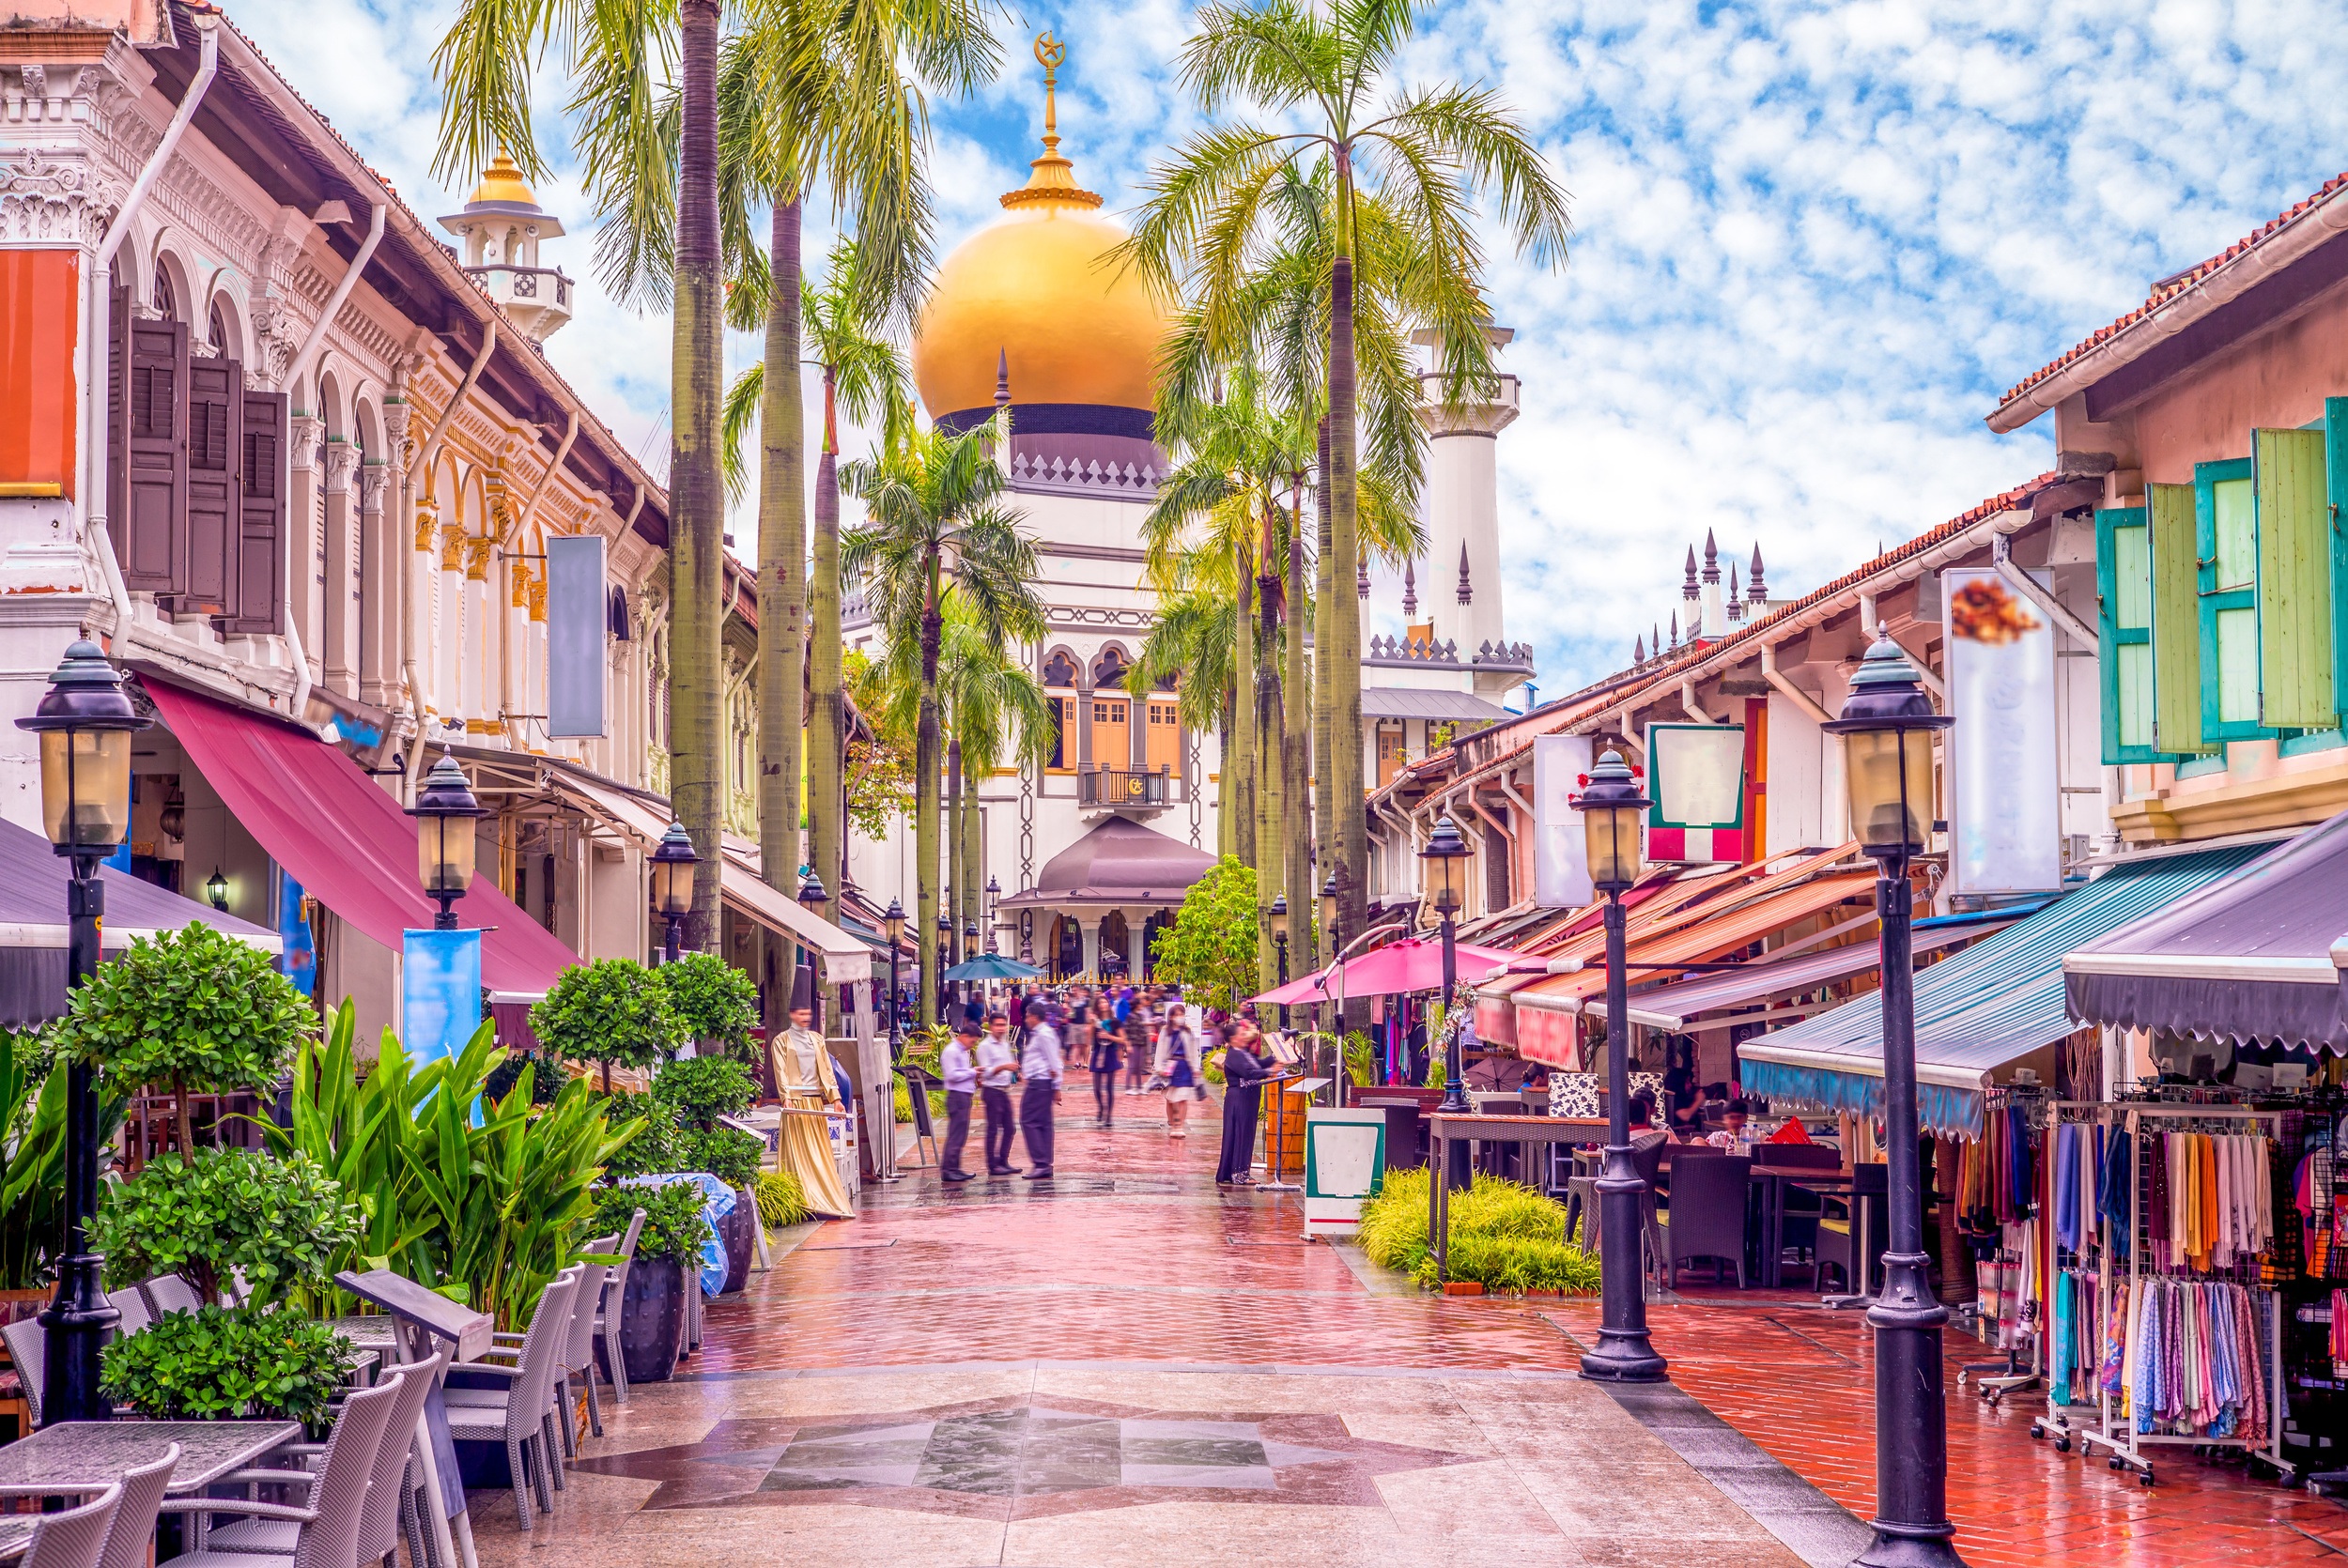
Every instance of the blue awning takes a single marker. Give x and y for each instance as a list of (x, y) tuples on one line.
[(1989, 1006)]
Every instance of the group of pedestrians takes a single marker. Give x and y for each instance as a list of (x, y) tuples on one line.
[(1139, 1039)]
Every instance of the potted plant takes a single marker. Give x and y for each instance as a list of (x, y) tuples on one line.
[(696, 1092), (228, 1364), (613, 1011), (278, 1223), (716, 1005), (668, 1258)]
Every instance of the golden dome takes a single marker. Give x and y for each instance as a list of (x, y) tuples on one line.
[(503, 182), (1039, 292)]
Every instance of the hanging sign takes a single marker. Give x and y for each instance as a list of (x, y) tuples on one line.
[(2005, 825), (1696, 779), (1561, 872)]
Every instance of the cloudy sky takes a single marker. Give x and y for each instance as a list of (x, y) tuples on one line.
[(1814, 242)]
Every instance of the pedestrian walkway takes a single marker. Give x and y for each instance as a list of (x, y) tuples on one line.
[(1125, 1365)]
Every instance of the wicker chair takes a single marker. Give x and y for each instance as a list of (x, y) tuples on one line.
[(521, 1414), (77, 1537), (1706, 1216), (131, 1538), (609, 1307), (578, 1345), (327, 1533), (28, 1348), (170, 1293)]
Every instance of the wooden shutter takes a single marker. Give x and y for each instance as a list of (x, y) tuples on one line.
[(2176, 625), (2335, 511), (261, 518), (2294, 598), (2225, 502), (215, 411), (150, 458)]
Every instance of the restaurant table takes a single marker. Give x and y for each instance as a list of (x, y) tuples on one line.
[(1405, 1109), (78, 1457), (1770, 1182), (16, 1534), (1443, 1128)]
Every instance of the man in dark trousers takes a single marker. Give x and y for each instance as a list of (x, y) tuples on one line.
[(999, 1070), (1040, 1066), (959, 1069)]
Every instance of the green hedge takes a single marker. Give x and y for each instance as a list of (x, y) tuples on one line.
[(1505, 1236)]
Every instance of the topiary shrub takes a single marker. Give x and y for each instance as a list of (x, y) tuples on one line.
[(236, 1363), (713, 1001), (674, 1227), (781, 1201), (613, 1011), (203, 1216), (733, 1156), (700, 1089), (194, 1009)]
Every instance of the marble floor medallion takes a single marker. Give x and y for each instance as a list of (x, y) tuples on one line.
[(1014, 1459)]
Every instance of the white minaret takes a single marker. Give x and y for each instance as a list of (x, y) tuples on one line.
[(1463, 506)]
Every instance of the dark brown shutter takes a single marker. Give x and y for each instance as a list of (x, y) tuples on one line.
[(261, 546), (215, 407), (148, 492)]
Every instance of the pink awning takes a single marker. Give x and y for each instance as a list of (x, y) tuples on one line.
[(345, 841), (1414, 963)]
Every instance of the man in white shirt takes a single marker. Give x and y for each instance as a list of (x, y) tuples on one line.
[(961, 1075), (997, 1070), (1040, 1064)]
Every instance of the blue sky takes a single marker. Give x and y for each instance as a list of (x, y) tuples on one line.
[(1814, 242)]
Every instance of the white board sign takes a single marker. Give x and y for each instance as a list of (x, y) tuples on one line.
[(2004, 818), (1561, 870)]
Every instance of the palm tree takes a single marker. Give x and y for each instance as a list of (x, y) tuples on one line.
[(935, 518), (1323, 65)]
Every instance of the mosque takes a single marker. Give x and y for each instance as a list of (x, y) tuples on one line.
[(1093, 851)]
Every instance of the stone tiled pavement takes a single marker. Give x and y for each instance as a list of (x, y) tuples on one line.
[(1394, 1427)]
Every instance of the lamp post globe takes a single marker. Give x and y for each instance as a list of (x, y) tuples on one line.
[(812, 896), (216, 891), (1887, 726), (1280, 945), (1445, 857), (85, 721), (673, 860), (1613, 811), (445, 813)]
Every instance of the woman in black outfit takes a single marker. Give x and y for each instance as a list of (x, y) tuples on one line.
[(1108, 1060), (1243, 1071)]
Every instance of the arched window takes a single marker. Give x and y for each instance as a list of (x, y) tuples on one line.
[(1059, 670), (1109, 669), (218, 327), (165, 300)]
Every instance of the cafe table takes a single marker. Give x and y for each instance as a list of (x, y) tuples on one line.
[(1443, 1127), (1769, 1182), (75, 1458)]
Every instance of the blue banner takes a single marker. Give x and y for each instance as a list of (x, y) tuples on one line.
[(300, 963), (440, 992)]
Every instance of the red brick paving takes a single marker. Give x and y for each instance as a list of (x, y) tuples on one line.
[(1134, 1255)]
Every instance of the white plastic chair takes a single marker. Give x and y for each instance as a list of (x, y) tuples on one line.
[(77, 1537), (608, 1309), (521, 1414), (131, 1536), (28, 1348), (327, 1532)]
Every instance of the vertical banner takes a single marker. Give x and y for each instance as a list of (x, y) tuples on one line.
[(578, 620), (2004, 818), (439, 994), (299, 961), (1696, 778), (1561, 872)]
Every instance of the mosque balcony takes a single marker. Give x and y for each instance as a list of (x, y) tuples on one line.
[(1483, 415), (1127, 789), (538, 296)]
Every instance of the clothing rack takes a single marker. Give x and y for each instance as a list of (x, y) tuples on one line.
[(2025, 1365), (2120, 1273)]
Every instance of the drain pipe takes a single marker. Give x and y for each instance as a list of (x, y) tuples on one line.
[(96, 389), (509, 696), (423, 464), (1786, 688), (2001, 553)]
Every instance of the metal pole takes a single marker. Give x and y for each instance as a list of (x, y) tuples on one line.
[(672, 947), (1457, 1172), (1911, 1523), (1280, 945), (79, 1320), (1623, 1353)]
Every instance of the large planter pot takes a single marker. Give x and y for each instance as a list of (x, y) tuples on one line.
[(652, 1317), (737, 1233)]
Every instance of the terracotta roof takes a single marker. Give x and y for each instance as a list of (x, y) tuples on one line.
[(2169, 288)]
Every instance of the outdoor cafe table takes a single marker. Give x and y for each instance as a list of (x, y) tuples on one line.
[(1443, 1128), (75, 1458), (1772, 1180)]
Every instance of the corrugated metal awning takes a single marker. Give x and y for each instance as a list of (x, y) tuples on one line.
[(1429, 702)]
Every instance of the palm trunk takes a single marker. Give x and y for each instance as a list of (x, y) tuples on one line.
[(1342, 655), (1295, 788), (827, 741), (957, 873), (1271, 853), (1226, 818), (782, 572), (1239, 762), (697, 498), (1324, 798), (974, 874), (925, 824)]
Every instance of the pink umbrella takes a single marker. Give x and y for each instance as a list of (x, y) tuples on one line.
[(1414, 963)]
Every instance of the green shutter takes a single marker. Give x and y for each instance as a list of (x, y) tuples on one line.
[(2336, 496), (2226, 563), (2176, 623), (2294, 579), (2124, 601)]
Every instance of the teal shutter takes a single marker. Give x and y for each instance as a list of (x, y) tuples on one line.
[(2124, 601), (2176, 621), (2294, 579), (2335, 509), (2226, 532)]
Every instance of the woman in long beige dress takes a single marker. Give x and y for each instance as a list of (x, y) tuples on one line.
[(802, 1072)]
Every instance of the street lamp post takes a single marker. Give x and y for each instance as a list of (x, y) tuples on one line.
[(1333, 935), (994, 893), (445, 813), (813, 897), (1445, 852), (945, 957), (673, 864), (893, 927), (85, 721), (1280, 945), (1612, 809), (1886, 727)]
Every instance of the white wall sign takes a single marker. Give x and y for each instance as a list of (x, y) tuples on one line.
[(1561, 872), (2004, 828)]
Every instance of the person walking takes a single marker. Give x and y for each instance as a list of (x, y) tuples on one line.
[(999, 1070), (1107, 1063), (959, 1069), (1177, 1063), (1244, 1071), (1041, 1065)]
